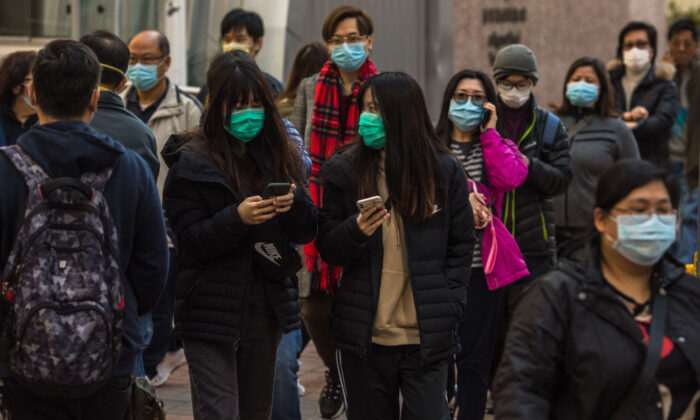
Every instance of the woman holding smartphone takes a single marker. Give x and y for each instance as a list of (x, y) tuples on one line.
[(405, 262), (237, 289), (467, 125)]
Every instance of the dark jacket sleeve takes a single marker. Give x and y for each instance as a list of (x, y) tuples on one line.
[(340, 240), (461, 238), (301, 221), (200, 235), (550, 173), (527, 378), (148, 266), (657, 126)]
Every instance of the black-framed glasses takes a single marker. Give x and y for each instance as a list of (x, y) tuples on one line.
[(350, 39), (522, 85), (145, 60), (641, 44), (461, 98), (646, 213)]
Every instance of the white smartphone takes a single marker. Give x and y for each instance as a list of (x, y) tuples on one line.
[(368, 203)]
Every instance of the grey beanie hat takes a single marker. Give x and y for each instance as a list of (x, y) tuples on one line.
[(515, 59)]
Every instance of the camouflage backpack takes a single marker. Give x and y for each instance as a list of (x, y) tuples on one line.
[(63, 285)]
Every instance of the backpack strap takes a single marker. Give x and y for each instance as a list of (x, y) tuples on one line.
[(34, 175), (97, 180), (550, 130)]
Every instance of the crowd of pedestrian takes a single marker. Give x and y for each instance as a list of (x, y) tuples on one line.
[(509, 259)]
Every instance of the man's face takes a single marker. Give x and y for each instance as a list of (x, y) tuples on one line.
[(144, 49), (683, 48), (637, 38), (240, 35)]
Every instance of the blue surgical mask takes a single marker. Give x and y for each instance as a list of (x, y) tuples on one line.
[(643, 239), (466, 116), (582, 93), (28, 101), (142, 76), (349, 57)]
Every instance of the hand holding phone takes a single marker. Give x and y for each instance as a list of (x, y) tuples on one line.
[(490, 117)]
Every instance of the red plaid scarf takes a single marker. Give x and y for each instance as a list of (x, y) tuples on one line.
[(326, 138)]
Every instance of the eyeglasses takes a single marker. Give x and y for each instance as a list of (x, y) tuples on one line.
[(646, 214), (350, 39), (639, 44), (462, 98), (145, 60), (522, 86)]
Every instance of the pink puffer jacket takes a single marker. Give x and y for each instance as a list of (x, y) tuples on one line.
[(505, 170)]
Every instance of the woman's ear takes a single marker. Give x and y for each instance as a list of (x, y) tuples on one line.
[(600, 220)]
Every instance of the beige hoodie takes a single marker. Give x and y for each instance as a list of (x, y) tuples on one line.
[(396, 323)]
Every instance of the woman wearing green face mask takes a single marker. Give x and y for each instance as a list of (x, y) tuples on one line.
[(236, 280), (405, 261)]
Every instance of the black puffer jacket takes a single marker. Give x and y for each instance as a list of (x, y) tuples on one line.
[(439, 253), (549, 174), (574, 351), (215, 248), (657, 93)]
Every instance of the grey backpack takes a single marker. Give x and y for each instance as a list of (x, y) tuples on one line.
[(63, 285)]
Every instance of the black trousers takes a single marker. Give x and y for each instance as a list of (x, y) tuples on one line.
[(109, 403), (235, 382), (371, 386), (478, 333)]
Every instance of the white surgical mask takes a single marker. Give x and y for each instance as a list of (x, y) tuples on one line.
[(636, 59), (514, 97)]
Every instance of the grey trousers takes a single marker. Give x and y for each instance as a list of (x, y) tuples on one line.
[(235, 381)]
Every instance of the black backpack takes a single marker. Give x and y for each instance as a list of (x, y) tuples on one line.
[(63, 285)]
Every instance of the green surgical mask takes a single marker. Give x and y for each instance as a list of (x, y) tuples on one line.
[(246, 123), (371, 128)]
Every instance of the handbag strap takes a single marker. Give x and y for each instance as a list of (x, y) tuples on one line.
[(629, 405), (580, 125), (490, 261)]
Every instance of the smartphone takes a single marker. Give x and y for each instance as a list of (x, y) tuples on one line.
[(368, 203), (275, 189), (485, 119)]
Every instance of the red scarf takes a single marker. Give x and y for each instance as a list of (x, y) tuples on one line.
[(326, 138)]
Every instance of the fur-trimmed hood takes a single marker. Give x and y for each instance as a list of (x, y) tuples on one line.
[(662, 70)]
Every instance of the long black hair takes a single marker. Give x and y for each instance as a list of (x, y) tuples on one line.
[(604, 105), (414, 176), (234, 78), (444, 125)]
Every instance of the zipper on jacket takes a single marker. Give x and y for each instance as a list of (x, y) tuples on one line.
[(508, 201)]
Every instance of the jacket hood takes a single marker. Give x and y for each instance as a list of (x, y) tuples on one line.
[(662, 70), (337, 169), (70, 148)]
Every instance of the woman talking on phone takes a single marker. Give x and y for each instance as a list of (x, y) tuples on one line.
[(237, 289), (494, 165), (405, 255)]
